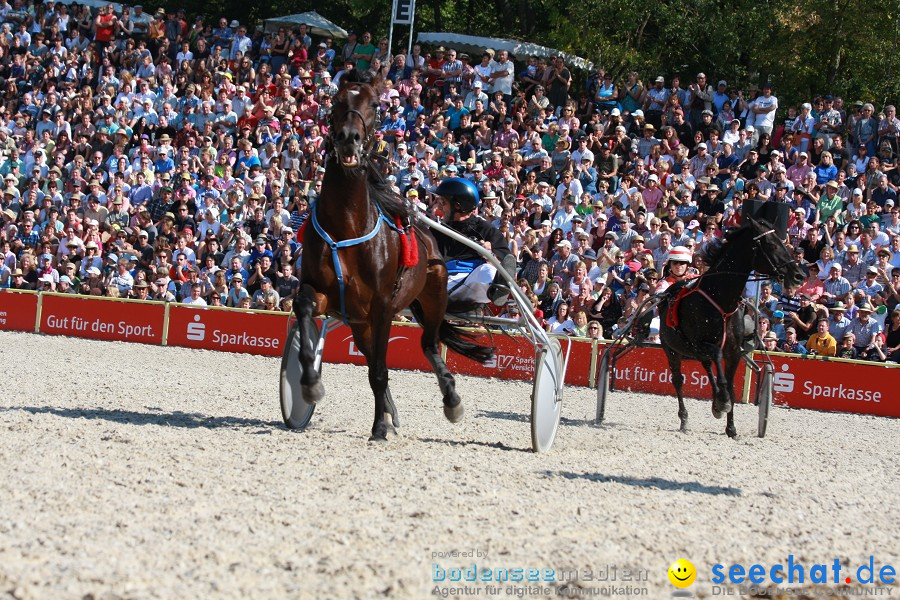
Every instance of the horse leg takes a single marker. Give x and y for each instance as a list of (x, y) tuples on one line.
[(731, 367), (430, 319), (713, 381), (391, 408), (310, 380), (372, 340), (722, 402), (678, 382)]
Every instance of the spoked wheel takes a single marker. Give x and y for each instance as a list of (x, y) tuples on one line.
[(295, 410), (602, 386), (546, 396), (764, 398)]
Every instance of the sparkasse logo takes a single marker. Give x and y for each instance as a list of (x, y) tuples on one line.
[(784, 382), (196, 331)]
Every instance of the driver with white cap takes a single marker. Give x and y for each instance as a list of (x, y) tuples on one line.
[(679, 260)]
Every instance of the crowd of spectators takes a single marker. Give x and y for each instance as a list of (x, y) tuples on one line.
[(164, 158)]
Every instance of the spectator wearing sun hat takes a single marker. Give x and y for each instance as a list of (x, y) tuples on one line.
[(854, 268), (863, 327)]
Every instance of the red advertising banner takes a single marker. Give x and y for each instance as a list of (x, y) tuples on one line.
[(514, 359), (404, 348), (817, 384), (18, 311), (836, 386), (647, 370), (97, 319), (227, 330)]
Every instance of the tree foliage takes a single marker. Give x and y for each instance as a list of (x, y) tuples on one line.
[(804, 47)]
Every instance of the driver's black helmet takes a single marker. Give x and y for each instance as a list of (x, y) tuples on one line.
[(461, 193)]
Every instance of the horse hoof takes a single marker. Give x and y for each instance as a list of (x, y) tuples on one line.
[(454, 414), (721, 409), (313, 393), (379, 433), (684, 428), (732, 433)]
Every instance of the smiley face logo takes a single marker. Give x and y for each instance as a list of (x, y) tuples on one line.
[(682, 573)]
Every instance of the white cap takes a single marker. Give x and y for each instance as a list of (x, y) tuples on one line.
[(679, 254)]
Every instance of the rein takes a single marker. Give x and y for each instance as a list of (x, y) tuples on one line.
[(335, 246), (685, 292)]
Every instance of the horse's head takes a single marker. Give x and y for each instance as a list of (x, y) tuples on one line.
[(770, 255), (353, 120)]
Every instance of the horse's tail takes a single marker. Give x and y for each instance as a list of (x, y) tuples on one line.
[(457, 339), (462, 342)]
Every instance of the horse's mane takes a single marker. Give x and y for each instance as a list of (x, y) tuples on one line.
[(714, 249), (357, 76), (382, 193)]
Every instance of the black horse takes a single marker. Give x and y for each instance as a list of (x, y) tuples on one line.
[(352, 266), (706, 323)]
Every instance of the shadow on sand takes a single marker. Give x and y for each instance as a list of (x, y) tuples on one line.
[(152, 417), (493, 445), (524, 418), (651, 482)]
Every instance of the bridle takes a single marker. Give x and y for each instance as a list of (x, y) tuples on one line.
[(776, 268), (368, 133)]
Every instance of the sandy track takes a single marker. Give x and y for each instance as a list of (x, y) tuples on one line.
[(141, 472)]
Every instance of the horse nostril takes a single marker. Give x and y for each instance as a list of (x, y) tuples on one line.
[(356, 136)]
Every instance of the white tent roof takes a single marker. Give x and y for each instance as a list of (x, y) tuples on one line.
[(318, 25), (521, 50), (93, 4)]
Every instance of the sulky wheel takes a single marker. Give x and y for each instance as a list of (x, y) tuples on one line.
[(764, 400), (546, 396), (296, 411)]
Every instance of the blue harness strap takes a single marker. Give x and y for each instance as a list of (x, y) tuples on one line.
[(335, 246)]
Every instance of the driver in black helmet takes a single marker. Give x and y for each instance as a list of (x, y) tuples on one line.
[(471, 277)]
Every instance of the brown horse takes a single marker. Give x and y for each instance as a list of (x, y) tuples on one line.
[(352, 268)]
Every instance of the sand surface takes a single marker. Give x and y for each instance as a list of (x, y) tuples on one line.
[(142, 472)]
